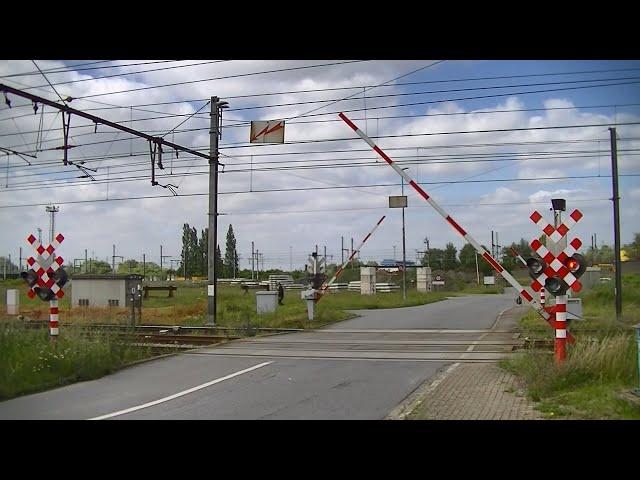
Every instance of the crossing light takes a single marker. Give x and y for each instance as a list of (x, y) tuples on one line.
[(30, 277), (577, 265), (536, 267), (574, 268)]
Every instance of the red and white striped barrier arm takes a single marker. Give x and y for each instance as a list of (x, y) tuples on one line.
[(341, 269), (488, 258), (518, 256)]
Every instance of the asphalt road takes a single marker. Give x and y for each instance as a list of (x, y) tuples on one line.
[(358, 369)]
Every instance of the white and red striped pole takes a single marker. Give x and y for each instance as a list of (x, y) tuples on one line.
[(325, 287), (561, 328), (53, 317), (488, 258)]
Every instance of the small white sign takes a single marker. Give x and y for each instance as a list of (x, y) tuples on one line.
[(489, 280), (398, 202), (438, 282), (211, 290)]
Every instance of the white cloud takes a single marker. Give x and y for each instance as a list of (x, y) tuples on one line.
[(143, 225)]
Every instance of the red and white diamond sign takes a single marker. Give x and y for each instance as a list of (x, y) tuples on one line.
[(556, 265), (43, 265)]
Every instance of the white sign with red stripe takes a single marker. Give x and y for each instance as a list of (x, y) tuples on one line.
[(271, 131)]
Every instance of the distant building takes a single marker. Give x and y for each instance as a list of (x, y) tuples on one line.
[(103, 290)]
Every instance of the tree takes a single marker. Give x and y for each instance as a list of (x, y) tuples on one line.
[(128, 266), (99, 267), (219, 262), (231, 254), (450, 257), (436, 258), (468, 257)]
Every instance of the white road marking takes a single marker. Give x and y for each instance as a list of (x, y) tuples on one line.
[(180, 394)]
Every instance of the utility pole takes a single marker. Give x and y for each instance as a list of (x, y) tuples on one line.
[(85, 260), (162, 257), (404, 253), (214, 135), (616, 222), (477, 271), (253, 257), (325, 256), (113, 260), (291, 258), (20, 261), (144, 266), (258, 265), (341, 250), (40, 235), (52, 209), (426, 241)]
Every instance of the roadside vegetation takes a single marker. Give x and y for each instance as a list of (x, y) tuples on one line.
[(235, 308), (601, 367), (29, 363)]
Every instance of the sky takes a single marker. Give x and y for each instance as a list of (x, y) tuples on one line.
[(490, 140)]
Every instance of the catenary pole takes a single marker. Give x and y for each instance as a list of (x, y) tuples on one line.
[(616, 222)]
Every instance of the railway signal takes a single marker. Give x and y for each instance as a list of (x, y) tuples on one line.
[(46, 277), (557, 274)]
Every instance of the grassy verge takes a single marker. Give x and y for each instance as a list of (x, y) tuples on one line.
[(188, 307), (29, 363), (600, 365)]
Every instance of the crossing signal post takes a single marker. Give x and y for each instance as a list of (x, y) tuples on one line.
[(557, 274), (46, 277)]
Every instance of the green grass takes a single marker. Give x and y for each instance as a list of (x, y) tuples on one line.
[(602, 363), (234, 308), (29, 363)]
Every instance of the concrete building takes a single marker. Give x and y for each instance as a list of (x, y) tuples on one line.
[(103, 290)]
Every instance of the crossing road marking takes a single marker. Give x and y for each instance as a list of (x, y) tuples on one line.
[(180, 394)]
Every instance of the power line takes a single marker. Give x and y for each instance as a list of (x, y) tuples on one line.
[(421, 160), (432, 92), (290, 92), (244, 124), (73, 68), (146, 177), (220, 78), (296, 189), (137, 72)]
